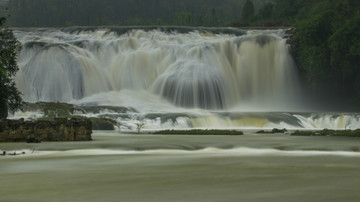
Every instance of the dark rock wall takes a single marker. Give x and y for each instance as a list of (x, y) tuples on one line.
[(45, 130)]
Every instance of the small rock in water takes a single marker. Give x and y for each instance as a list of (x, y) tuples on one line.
[(4, 153), (33, 140), (274, 130)]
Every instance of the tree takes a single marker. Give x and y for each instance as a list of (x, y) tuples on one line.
[(248, 10), (139, 125), (9, 95), (327, 51), (266, 11)]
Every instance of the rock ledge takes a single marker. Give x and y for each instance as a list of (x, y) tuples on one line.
[(74, 129)]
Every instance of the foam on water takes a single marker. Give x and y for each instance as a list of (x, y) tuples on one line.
[(27, 115), (206, 152)]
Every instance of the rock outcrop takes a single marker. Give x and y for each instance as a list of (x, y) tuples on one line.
[(74, 129), (53, 110), (273, 131)]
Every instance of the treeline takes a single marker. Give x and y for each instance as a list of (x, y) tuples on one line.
[(278, 13), (3, 9), (325, 44), (59, 13), (326, 47)]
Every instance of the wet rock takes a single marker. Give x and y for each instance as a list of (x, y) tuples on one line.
[(273, 131), (75, 129), (102, 123), (276, 130)]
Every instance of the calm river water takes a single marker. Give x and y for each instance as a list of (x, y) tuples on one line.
[(120, 167)]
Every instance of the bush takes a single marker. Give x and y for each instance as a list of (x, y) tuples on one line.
[(9, 95)]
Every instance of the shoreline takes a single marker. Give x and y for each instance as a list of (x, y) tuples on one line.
[(239, 132)]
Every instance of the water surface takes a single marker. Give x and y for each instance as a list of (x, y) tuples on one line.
[(118, 167)]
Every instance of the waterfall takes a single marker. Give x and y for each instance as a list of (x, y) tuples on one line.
[(169, 77), (189, 68)]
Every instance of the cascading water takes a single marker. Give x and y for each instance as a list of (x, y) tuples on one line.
[(185, 74), (194, 69)]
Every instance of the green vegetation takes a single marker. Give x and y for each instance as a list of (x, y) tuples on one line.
[(248, 11), (199, 132), (54, 110), (9, 95), (326, 132), (326, 46), (273, 131), (59, 13)]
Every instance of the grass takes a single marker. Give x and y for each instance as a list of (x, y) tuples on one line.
[(199, 132), (327, 132)]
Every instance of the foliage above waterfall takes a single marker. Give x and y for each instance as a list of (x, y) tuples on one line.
[(55, 13), (248, 10), (327, 48), (9, 47)]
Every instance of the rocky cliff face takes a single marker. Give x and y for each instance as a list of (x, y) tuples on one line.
[(44, 130)]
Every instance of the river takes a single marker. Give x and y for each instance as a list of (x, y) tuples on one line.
[(125, 167)]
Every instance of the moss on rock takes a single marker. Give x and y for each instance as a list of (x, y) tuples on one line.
[(102, 123), (51, 110), (75, 129)]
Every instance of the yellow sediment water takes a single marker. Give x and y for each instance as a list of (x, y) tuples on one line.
[(215, 121), (341, 122), (206, 34)]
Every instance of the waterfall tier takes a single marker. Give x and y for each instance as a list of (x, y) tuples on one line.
[(190, 68)]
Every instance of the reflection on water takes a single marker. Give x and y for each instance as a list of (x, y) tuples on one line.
[(118, 167)]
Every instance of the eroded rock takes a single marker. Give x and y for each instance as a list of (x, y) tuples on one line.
[(74, 129)]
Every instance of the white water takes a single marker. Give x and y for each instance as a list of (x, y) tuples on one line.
[(191, 79), (207, 152), (193, 69)]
